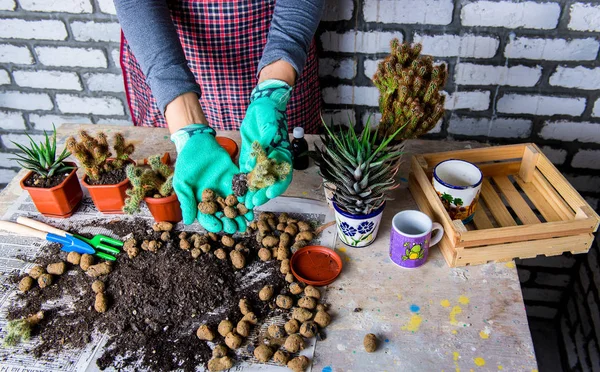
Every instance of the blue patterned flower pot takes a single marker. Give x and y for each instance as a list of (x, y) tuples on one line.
[(357, 230)]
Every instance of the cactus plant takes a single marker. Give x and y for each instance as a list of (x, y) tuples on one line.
[(266, 171), (409, 96), (20, 329), (156, 180), (93, 153)]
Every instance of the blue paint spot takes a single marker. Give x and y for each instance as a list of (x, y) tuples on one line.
[(403, 179), (414, 308), (386, 340), (327, 369)]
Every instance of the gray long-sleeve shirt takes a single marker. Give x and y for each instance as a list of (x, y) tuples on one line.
[(152, 36)]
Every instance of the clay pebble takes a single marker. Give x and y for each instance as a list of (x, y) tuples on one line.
[(263, 353), (370, 343), (205, 333)]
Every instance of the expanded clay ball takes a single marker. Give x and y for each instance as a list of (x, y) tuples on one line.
[(323, 319), (307, 303), (272, 223), (270, 241), (205, 248), (263, 227), (264, 254), (283, 253), (101, 303), (237, 259), (205, 333), (281, 357), (36, 271), (305, 235), (44, 280), (301, 315), (219, 351), (285, 266), (276, 331), (184, 244), (263, 353), (225, 327), (299, 363), (309, 329), (321, 307), (182, 235), (313, 292), (265, 216), (244, 306), (100, 269), (221, 202), (283, 217), (165, 236), (230, 212), (292, 229), (284, 302), (295, 288), (57, 268), (231, 200), (26, 283), (289, 277), (243, 328), (208, 207), (227, 241), (154, 245), (162, 226), (266, 293), (86, 261), (284, 240), (130, 247), (281, 226), (221, 254), (74, 257), (214, 237), (240, 247), (220, 364), (242, 209), (298, 245), (274, 252), (196, 252), (370, 343), (304, 226), (208, 195), (250, 318), (294, 343), (98, 286), (292, 326), (233, 341)]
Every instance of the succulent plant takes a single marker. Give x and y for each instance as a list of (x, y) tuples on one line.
[(357, 168), (267, 171), (42, 158), (93, 153), (156, 180), (409, 96)]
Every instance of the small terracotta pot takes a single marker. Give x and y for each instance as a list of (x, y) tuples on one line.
[(229, 145), (108, 199), (60, 201), (164, 209)]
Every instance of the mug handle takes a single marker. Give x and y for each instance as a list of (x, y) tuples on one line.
[(439, 234)]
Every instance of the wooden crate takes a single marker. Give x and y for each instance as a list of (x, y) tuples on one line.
[(526, 208)]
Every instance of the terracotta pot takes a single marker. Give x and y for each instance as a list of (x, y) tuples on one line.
[(229, 145), (59, 201), (108, 199), (164, 209)]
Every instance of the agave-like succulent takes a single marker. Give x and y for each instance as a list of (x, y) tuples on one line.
[(42, 158), (360, 169)]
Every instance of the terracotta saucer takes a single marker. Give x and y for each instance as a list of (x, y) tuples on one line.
[(316, 265)]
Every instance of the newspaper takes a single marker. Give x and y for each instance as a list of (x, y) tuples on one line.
[(17, 253)]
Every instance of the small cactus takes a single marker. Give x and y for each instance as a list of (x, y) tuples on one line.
[(266, 171), (157, 179), (409, 96), (20, 329)]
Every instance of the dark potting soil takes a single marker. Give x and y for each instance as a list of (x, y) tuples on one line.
[(109, 178), (35, 180), (157, 301)]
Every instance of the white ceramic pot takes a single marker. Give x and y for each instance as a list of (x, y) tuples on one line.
[(458, 184), (357, 231)]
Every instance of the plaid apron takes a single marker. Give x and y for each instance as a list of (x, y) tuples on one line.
[(223, 42)]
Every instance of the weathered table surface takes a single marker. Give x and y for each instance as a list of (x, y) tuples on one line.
[(427, 319)]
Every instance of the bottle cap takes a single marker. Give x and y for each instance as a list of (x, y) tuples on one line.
[(298, 132)]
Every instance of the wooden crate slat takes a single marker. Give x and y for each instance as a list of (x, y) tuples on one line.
[(516, 201), (480, 219), (530, 159), (496, 206), (552, 197), (480, 155), (550, 247), (540, 202)]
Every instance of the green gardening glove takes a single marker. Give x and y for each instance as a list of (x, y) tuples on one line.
[(266, 122), (203, 164)]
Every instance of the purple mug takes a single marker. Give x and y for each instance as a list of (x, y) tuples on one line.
[(410, 238)]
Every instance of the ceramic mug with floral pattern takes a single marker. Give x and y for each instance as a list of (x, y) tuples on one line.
[(357, 231), (458, 184)]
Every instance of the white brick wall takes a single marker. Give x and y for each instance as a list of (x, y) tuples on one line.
[(104, 82), (15, 54), (5, 159), (338, 117), (350, 95), (48, 79), (115, 56), (576, 77), (107, 6), (556, 156), (67, 6), (527, 14), (25, 101), (540, 105), (553, 49), (516, 76), (587, 159), (4, 77), (336, 10), (73, 57), (12, 120), (343, 69), (89, 105), (6, 175), (467, 45), (370, 66), (584, 183), (359, 41), (45, 122), (40, 30), (596, 112), (585, 17), (474, 101), (571, 131), (499, 127), (96, 31), (432, 12), (21, 139), (7, 4)]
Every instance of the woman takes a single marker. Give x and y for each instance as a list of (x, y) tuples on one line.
[(195, 65)]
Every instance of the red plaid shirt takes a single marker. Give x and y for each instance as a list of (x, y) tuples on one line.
[(223, 42)]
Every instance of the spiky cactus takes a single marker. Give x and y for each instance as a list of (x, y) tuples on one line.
[(266, 171), (20, 329), (409, 96), (93, 153), (157, 179)]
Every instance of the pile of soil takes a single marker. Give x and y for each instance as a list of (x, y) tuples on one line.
[(157, 302), (109, 178), (35, 180)]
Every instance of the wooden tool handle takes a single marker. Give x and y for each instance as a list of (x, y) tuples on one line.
[(21, 230), (38, 225)]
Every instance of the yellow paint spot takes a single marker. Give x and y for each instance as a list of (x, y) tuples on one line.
[(454, 331), (304, 193), (484, 335), (445, 303), (464, 300), (342, 249), (455, 356), (399, 296), (479, 362), (500, 368), (510, 265), (413, 324), (347, 259), (534, 370), (453, 313), (471, 370)]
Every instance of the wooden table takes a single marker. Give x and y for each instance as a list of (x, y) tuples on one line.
[(433, 318)]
